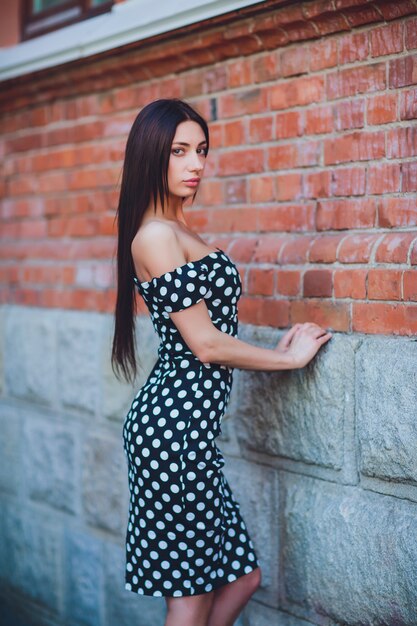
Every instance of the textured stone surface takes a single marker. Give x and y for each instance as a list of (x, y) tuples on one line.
[(299, 414), (256, 614), (49, 463), (332, 552), (84, 578), (33, 554), (79, 336), (29, 354), (103, 484), (10, 450), (386, 392), (256, 490), (123, 607), (117, 396), (349, 554)]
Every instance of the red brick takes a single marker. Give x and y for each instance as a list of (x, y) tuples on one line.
[(288, 124), (408, 104), (288, 282), (239, 72), (288, 186), (357, 146), (394, 247), (234, 133), (402, 142), (292, 155), (350, 284), (260, 281), (265, 67), (260, 129), (295, 251), (382, 109), (342, 214), (82, 226), (261, 189), (244, 102), (384, 284), (265, 249), (319, 120), (397, 212), (317, 184), (235, 191), (410, 285), (413, 254), (317, 283), (32, 229), (357, 16), (286, 217), (264, 311), (383, 178), (296, 92), (329, 315), (241, 162), (392, 10), (378, 317), (349, 114), (409, 171), (349, 82), (411, 34), (294, 61), (323, 54), (324, 248), (353, 47), (357, 248), (403, 71), (386, 39), (348, 181)]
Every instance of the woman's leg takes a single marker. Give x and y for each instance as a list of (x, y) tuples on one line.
[(189, 610), (230, 599)]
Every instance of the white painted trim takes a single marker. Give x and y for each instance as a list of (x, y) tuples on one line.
[(129, 21)]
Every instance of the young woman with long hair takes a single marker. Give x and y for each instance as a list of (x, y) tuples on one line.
[(186, 539)]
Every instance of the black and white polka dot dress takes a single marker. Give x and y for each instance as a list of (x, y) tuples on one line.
[(185, 533)]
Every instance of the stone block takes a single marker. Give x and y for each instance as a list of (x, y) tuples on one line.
[(256, 614), (256, 490), (10, 448), (79, 338), (50, 464), (348, 554), (84, 556), (30, 356), (386, 392), (117, 396), (104, 484), (300, 414), (123, 607), (34, 553)]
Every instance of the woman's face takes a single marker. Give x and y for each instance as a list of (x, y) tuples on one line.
[(187, 159)]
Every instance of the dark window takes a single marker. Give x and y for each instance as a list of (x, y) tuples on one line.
[(43, 16)]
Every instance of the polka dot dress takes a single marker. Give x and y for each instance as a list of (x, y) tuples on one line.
[(185, 534)]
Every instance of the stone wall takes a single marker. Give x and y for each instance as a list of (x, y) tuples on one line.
[(322, 460)]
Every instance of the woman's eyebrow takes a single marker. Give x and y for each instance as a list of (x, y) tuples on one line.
[(183, 143)]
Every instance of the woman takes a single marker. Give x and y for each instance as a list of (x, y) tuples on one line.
[(186, 539)]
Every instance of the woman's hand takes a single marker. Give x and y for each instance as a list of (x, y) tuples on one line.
[(285, 341), (304, 342)]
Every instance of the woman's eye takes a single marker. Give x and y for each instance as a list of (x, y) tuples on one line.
[(202, 150)]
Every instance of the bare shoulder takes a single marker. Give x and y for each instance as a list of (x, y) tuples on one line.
[(156, 249)]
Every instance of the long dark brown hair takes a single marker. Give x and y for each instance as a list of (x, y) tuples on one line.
[(145, 176)]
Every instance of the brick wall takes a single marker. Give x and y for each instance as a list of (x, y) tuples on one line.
[(310, 187), (310, 182)]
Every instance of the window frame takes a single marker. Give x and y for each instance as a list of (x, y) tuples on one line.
[(35, 25)]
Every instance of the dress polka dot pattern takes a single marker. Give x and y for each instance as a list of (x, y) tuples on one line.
[(185, 533)]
